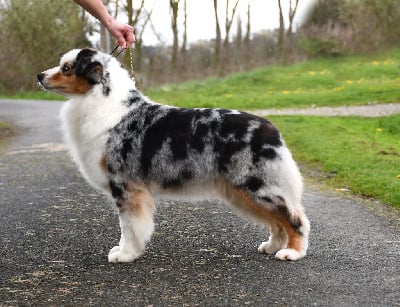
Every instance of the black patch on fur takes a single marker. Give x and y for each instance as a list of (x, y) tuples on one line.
[(176, 128), (234, 125), (254, 184), (295, 222), (185, 175), (227, 150), (197, 141), (105, 81), (266, 134), (267, 153), (135, 97), (126, 148), (116, 191), (172, 183), (86, 68), (267, 199)]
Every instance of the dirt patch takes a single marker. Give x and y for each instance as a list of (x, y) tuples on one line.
[(6, 131)]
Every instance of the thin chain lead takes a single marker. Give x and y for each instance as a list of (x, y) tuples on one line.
[(131, 58)]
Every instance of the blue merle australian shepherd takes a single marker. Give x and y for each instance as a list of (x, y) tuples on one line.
[(134, 149)]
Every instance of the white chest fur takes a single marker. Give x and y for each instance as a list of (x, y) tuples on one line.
[(85, 124)]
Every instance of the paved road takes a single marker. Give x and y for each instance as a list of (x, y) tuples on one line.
[(56, 232)]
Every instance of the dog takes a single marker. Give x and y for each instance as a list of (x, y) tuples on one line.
[(134, 149)]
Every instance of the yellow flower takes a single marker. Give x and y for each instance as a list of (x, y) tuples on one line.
[(398, 176), (349, 81), (312, 73), (286, 92), (325, 72), (338, 89), (379, 130), (375, 63)]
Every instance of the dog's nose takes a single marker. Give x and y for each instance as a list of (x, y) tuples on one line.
[(41, 76)]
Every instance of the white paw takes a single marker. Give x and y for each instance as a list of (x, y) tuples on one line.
[(289, 254), (117, 254), (268, 248)]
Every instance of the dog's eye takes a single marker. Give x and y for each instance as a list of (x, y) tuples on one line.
[(66, 68)]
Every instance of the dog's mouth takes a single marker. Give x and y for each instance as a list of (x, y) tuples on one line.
[(43, 86)]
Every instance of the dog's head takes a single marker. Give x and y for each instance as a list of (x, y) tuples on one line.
[(79, 71)]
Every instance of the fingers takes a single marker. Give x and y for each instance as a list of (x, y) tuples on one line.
[(123, 33), (129, 36)]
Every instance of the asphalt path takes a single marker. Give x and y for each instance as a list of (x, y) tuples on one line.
[(56, 232)]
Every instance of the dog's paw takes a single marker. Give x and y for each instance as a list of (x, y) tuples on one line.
[(117, 254), (289, 254), (268, 248)]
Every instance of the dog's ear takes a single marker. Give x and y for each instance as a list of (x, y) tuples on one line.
[(94, 73), (85, 67)]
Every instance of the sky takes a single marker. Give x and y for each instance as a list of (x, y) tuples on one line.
[(201, 19)]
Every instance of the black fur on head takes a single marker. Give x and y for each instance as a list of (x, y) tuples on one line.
[(87, 68)]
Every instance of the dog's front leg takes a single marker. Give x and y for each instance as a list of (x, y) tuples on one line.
[(137, 226)]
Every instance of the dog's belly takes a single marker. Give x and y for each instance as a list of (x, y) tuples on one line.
[(187, 192)]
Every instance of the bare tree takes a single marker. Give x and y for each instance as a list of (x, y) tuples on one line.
[(292, 13), (218, 39), (184, 36), (281, 33), (285, 37), (174, 6), (239, 34), (247, 35), (229, 17)]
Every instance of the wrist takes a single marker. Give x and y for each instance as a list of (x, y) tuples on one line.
[(106, 19)]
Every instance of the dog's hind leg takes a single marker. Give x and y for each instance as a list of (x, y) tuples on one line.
[(288, 230), (278, 239), (136, 210)]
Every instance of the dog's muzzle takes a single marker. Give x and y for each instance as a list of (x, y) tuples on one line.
[(41, 80)]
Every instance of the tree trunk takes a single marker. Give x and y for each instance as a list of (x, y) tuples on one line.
[(217, 48), (184, 37), (281, 34), (247, 35), (292, 13), (174, 4)]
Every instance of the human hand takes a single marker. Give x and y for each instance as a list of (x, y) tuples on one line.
[(122, 32)]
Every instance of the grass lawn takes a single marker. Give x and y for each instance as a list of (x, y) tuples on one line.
[(352, 80), (322, 82), (34, 95), (359, 154)]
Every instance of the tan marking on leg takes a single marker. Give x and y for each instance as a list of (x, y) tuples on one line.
[(139, 200), (295, 239), (242, 200)]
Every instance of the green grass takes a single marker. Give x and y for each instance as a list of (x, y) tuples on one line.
[(360, 154), (354, 80), (322, 82), (34, 95)]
